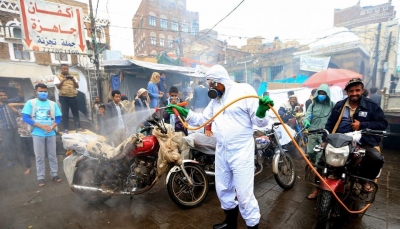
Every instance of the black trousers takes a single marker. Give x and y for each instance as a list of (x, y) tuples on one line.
[(11, 143), (66, 103), (372, 163), (27, 147)]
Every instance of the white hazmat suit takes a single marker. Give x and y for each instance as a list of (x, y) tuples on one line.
[(234, 154)]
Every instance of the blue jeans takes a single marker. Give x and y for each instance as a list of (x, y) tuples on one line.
[(40, 145)]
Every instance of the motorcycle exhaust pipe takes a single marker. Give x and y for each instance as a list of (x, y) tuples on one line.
[(209, 173), (75, 188)]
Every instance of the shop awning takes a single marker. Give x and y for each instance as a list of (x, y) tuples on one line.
[(188, 71), (23, 70)]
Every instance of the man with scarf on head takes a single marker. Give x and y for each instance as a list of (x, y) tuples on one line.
[(170, 118), (286, 109), (234, 154), (44, 115)]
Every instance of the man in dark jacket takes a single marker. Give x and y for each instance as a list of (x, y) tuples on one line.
[(200, 99), (360, 113), (115, 120)]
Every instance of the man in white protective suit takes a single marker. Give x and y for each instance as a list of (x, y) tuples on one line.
[(234, 154)]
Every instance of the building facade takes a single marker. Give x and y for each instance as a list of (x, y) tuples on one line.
[(357, 15), (14, 58), (163, 25)]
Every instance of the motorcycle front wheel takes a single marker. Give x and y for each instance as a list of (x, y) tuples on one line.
[(324, 210), (184, 194), (286, 176), (86, 175)]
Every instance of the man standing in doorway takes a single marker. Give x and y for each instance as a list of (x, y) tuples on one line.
[(67, 91)]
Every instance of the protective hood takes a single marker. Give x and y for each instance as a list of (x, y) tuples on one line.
[(323, 87), (218, 74)]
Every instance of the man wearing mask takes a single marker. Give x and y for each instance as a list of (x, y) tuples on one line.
[(67, 91), (162, 87), (43, 115), (11, 144), (316, 116), (234, 154), (115, 119), (357, 113)]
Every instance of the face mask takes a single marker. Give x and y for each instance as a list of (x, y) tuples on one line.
[(213, 93), (321, 97), (178, 100), (42, 95)]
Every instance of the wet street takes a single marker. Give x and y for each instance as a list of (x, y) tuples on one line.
[(25, 205)]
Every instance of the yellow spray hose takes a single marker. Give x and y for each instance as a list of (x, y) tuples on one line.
[(291, 137)]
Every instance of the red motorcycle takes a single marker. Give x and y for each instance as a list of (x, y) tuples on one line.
[(134, 170)]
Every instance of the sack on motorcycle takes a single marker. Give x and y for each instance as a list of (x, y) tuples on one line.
[(100, 148), (77, 142), (202, 143)]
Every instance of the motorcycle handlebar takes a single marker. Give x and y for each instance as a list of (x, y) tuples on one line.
[(373, 132)]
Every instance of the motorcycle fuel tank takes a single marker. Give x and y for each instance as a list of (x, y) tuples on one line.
[(149, 145)]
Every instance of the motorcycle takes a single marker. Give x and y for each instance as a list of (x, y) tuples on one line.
[(267, 147), (339, 166), (96, 177), (296, 123)]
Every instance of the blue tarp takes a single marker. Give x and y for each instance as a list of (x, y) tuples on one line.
[(300, 79)]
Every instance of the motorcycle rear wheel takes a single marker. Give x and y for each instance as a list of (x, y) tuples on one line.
[(286, 176), (182, 193), (85, 176), (324, 210)]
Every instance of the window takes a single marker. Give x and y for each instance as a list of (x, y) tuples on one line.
[(369, 11), (362, 12), (152, 21), (174, 26), (61, 56), (195, 28), (377, 10), (153, 40), (385, 7), (172, 4), (17, 33), (170, 42), (19, 52), (185, 28), (162, 40), (164, 23)]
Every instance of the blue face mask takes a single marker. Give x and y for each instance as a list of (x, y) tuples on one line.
[(321, 97), (42, 95)]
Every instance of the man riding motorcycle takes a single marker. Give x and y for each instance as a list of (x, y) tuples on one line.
[(290, 105), (357, 112)]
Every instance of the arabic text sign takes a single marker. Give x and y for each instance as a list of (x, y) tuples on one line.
[(51, 27), (314, 64)]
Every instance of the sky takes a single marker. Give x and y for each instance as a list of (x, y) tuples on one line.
[(287, 19)]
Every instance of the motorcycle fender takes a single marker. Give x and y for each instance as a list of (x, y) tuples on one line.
[(336, 184), (275, 162), (177, 168)]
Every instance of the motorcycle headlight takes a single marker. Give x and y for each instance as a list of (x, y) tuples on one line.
[(336, 156)]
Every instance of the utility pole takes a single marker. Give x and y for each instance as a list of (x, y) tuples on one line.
[(383, 74), (245, 67), (94, 47), (376, 55)]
